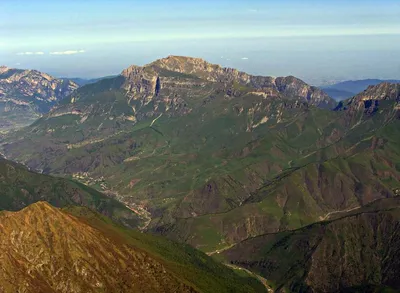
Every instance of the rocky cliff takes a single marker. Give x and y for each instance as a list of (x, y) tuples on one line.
[(269, 86)]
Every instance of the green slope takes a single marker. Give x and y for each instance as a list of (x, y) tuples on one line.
[(361, 167)]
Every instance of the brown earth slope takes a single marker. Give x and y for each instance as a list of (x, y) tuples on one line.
[(45, 249)]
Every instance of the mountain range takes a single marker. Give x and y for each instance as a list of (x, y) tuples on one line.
[(84, 81), (231, 164)]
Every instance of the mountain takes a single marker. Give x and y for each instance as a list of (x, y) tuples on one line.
[(27, 94), (213, 156), (45, 249), (20, 187), (347, 89), (356, 251)]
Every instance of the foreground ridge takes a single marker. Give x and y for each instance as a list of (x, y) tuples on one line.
[(45, 249)]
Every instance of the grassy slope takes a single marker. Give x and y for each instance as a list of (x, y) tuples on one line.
[(360, 168)]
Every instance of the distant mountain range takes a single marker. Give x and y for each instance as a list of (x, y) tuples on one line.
[(348, 89), (25, 95), (84, 81)]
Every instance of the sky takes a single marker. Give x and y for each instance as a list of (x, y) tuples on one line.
[(319, 41)]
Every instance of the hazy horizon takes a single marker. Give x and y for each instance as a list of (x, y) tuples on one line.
[(318, 42)]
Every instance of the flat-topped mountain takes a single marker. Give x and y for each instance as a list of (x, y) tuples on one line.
[(165, 87), (289, 87), (27, 94)]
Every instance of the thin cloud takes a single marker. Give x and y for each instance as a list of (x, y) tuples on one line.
[(245, 58), (30, 53), (69, 52)]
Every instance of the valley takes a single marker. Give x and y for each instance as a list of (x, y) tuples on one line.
[(174, 162)]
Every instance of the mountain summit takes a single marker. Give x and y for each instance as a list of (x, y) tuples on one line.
[(287, 86)]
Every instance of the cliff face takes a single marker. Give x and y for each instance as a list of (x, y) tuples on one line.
[(27, 94), (173, 83), (33, 87), (288, 86)]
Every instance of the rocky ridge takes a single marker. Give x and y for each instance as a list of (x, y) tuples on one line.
[(27, 94), (33, 87), (270, 86)]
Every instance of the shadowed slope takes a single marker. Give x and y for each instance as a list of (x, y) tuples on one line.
[(358, 251)]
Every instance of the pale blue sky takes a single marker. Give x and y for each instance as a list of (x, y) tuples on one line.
[(315, 40)]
